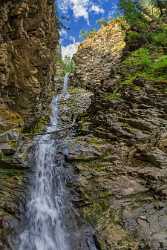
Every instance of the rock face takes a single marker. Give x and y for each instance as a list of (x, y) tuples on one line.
[(120, 152), (28, 42), (28, 38), (97, 54)]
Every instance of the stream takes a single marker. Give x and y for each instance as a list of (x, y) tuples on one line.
[(51, 222)]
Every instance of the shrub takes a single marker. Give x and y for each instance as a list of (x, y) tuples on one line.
[(160, 65), (159, 38), (138, 59), (137, 66), (133, 37), (68, 65), (133, 14)]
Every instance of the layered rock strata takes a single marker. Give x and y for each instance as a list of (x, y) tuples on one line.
[(28, 41), (120, 152)]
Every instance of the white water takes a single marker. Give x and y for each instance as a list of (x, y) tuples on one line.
[(44, 230), (49, 210)]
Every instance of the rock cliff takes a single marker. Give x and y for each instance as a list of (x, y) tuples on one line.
[(28, 42), (120, 151), (28, 39)]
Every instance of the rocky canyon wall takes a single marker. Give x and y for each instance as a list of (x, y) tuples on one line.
[(120, 152), (28, 43), (28, 37)]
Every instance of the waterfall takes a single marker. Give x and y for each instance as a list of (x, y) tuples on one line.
[(44, 230), (49, 205)]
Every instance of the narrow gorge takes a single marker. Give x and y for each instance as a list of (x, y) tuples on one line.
[(83, 143)]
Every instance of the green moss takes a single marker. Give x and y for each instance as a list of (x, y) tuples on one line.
[(97, 166), (133, 37), (4, 157), (115, 95), (83, 126), (140, 59), (76, 91), (10, 120), (105, 194), (160, 65), (149, 64), (38, 127), (13, 144), (96, 141), (102, 245), (95, 211), (1, 155), (130, 81), (41, 124), (9, 172)]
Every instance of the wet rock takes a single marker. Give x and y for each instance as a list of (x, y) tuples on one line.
[(123, 190), (81, 151), (28, 39), (74, 104)]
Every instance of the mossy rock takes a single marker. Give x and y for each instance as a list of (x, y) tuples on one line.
[(9, 120), (38, 127), (78, 101), (95, 211), (114, 96), (146, 64)]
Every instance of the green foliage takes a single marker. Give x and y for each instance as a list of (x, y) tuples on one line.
[(142, 64), (145, 10), (85, 34), (149, 61), (133, 37), (68, 65), (159, 38), (161, 5), (160, 65), (133, 14), (139, 59), (115, 95), (150, 9)]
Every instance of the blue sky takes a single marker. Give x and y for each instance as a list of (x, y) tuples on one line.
[(79, 15)]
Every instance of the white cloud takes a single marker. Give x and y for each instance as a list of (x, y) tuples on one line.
[(79, 7), (69, 50), (97, 9), (72, 39), (63, 33)]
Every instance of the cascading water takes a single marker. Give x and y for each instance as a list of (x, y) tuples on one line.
[(47, 208)]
